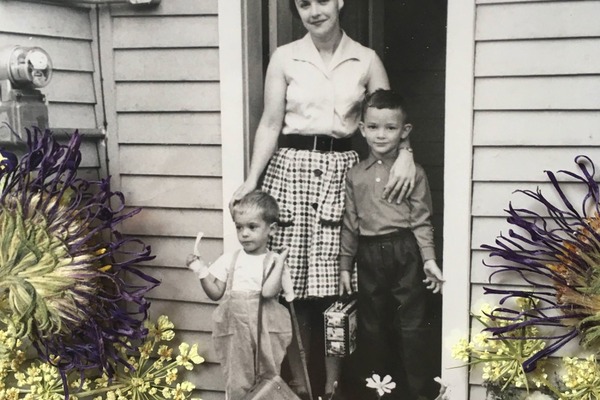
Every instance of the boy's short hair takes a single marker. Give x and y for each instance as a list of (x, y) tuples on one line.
[(261, 201), (385, 99)]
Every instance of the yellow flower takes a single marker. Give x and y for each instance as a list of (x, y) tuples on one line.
[(187, 354)]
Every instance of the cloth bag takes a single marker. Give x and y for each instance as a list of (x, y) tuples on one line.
[(274, 388), (271, 389)]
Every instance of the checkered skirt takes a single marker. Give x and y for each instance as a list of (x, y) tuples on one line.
[(309, 187)]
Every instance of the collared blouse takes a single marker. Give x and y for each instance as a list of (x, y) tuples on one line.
[(324, 99)]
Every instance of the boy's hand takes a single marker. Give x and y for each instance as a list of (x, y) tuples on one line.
[(433, 276), (197, 265), (283, 256), (345, 285)]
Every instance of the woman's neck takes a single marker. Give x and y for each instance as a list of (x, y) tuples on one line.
[(329, 44)]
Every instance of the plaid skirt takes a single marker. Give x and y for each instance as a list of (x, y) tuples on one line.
[(310, 189)]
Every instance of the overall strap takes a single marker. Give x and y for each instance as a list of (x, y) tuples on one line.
[(267, 269), (231, 271)]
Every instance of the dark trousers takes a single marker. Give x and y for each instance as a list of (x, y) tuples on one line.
[(393, 326)]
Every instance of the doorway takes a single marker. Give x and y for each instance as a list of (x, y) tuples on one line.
[(410, 38)]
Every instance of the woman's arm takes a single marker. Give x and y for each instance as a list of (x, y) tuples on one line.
[(272, 286), (402, 174), (378, 78), (269, 127)]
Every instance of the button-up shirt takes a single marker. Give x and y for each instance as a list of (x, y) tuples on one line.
[(320, 98), (368, 214)]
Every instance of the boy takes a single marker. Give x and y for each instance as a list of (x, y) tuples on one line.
[(240, 276), (393, 246)]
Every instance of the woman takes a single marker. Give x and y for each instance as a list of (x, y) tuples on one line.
[(314, 88)]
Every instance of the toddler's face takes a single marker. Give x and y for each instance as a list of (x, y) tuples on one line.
[(253, 231)]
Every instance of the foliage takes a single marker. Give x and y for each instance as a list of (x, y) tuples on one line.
[(64, 288), (553, 258)]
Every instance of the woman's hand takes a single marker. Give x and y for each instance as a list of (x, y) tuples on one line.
[(402, 178), (243, 190)]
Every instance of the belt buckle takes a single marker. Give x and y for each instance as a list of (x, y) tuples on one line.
[(318, 138)]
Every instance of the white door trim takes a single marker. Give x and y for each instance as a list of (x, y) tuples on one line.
[(457, 188), (231, 68)]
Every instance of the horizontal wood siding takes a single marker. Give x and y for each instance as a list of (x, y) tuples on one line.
[(537, 79), (66, 33), (166, 97)]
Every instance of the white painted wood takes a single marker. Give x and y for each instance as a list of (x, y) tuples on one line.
[(65, 115), (185, 31), (44, 19), (171, 160), (172, 192), (172, 251), (492, 198), (525, 164), (179, 313), (477, 392), (487, 229), (182, 128), (208, 395), (539, 93), (61, 50), (71, 87), (508, 1), (560, 19), (167, 96), (207, 376), (109, 103), (171, 7), (552, 57), (231, 69), (167, 64), (163, 222), (457, 187), (532, 128), (178, 284)]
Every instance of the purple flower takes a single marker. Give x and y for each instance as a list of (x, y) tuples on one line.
[(63, 263), (556, 255)]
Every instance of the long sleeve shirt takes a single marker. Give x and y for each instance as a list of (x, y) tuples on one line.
[(368, 214)]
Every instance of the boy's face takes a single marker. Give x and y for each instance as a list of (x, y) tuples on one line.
[(384, 129), (253, 231)]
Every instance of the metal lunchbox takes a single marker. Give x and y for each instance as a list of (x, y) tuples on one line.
[(340, 328)]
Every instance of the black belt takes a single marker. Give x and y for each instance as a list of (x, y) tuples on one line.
[(315, 142)]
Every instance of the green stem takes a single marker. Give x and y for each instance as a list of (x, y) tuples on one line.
[(100, 390)]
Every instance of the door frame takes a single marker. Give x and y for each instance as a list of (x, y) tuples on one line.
[(458, 164), (239, 26)]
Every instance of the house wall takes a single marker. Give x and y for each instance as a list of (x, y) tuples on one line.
[(534, 107), (162, 71), (68, 34), (144, 85)]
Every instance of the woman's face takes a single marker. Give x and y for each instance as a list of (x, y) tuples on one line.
[(320, 17)]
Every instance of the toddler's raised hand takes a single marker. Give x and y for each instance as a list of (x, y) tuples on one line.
[(195, 262), (197, 265), (433, 276)]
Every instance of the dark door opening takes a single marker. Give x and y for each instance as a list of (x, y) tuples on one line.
[(410, 38)]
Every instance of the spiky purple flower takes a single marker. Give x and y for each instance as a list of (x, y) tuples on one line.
[(63, 263), (556, 253)]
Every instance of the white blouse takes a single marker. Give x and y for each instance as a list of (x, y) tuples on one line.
[(324, 99)]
